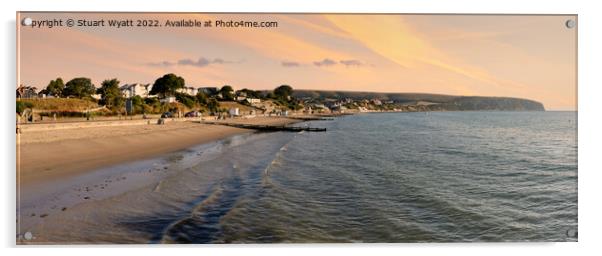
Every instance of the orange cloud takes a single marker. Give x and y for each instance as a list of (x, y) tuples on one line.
[(392, 38)]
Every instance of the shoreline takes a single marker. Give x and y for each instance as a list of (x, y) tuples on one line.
[(231, 180), (57, 154)]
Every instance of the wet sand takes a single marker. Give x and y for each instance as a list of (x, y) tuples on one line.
[(55, 154)]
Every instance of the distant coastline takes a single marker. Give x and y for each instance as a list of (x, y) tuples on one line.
[(426, 101)]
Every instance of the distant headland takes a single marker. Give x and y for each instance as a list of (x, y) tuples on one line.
[(420, 101)]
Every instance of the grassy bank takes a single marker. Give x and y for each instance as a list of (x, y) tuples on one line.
[(60, 104)]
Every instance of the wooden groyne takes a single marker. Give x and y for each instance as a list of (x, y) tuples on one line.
[(263, 127)]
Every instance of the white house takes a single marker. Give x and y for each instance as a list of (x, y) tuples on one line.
[(170, 99), (253, 100), (320, 106), (188, 90), (137, 89)]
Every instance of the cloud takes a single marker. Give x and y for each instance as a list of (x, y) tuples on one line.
[(411, 50), (325, 62), (351, 63), (162, 64), (290, 64), (222, 61), (201, 62)]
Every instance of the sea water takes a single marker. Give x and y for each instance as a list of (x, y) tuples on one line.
[(386, 177)]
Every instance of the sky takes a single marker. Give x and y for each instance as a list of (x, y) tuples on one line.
[(531, 57)]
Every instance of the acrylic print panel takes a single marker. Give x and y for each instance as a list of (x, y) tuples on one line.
[(295, 128)]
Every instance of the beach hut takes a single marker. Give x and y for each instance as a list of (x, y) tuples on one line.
[(234, 111)]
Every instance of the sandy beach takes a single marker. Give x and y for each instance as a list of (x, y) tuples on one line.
[(53, 154), (66, 176)]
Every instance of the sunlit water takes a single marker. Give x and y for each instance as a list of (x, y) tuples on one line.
[(391, 177)]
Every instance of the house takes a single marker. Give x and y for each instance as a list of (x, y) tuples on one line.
[(208, 90), (170, 99), (188, 90), (136, 89), (320, 106), (253, 100)]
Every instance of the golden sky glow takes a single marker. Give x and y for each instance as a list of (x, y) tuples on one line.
[(530, 57)]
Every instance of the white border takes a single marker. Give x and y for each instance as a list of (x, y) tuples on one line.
[(589, 116)]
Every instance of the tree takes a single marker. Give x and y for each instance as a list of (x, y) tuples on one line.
[(80, 87), (153, 104), (251, 93), (271, 95), (213, 105), (283, 92), (167, 85), (186, 99), (26, 92), (259, 94), (55, 87), (110, 94), (201, 98), (227, 92), (137, 104), (43, 92)]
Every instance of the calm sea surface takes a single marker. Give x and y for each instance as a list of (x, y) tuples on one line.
[(390, 177)]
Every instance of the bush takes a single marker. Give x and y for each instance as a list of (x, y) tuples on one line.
[(21, 106), (187, 100)]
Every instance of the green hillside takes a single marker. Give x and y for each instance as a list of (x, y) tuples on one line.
[(444, 102)]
